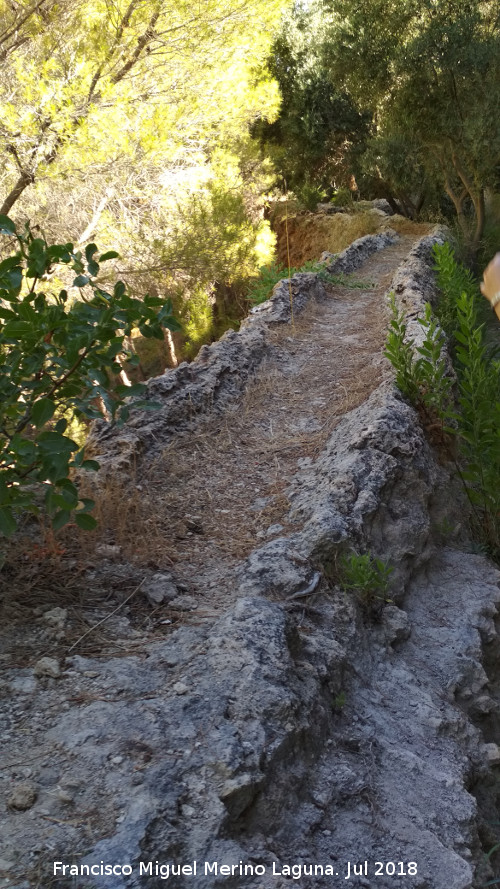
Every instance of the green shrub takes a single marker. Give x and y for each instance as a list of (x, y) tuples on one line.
[(57, 355), (262, 287), (424, 380), (366, 576), (309, 196), (473, 418), (452, 279), (342, 198)]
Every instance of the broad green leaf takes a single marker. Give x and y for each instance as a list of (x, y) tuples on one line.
[(85, 521), (90, 249), (7, 227), (131, 391), (93, 268), (60, 519), (81, 281), (7, 522), (119, 289), (87, 504), (90, 465), (52, 442), (42, 411)]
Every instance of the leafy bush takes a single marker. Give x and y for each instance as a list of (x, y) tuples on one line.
[(366, 576), (424, 380), (342, 198), (453, 279), (473, 420), (479, 423), (261, 288), (57, 353), (310, 195)]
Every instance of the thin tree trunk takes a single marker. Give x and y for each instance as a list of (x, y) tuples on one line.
[(85, 235), (22, 183)]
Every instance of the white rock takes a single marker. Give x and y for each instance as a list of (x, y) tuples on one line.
[(108, 551), (492, 754), (56, 617), (23, 797), (159, 588), (396, 624), (47, 666)]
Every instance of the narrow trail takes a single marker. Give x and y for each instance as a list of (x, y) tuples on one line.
[(229, 478), (270, 723)]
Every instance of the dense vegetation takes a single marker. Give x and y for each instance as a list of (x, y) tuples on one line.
[(126, 122), (461, 414), (401, 94), (158, 129)]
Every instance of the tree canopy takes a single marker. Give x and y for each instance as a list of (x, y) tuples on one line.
[(127, 121), (427, 75), (319, 130)]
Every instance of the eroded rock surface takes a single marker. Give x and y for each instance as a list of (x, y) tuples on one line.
[(297, 726)]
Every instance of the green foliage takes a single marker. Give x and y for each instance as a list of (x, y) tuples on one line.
[(339, 702), (57, 352), (423, 379), (453, 279), (400, 353), (309, 195), (127, 122), (479, 422), (366, 576), (262, 287), (342, 198), (474, 420), (412, 92), (319, 131)]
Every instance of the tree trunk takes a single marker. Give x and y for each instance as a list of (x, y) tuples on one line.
[(22, 183)]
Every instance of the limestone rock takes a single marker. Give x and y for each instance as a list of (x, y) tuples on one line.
[(359, 251), (396, 624), (23, 797), (108, 550), (47, 667), (159, 588), (56, 617), (184, 603), (492, 754)]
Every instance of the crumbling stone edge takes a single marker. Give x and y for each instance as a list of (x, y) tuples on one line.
[(221, 371)]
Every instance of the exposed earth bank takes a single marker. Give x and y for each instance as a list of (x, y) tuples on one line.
[(224, 700)]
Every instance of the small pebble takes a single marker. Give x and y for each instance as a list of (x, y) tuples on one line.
[(55, 617), (184, 603), (47, 666), (23, 797)]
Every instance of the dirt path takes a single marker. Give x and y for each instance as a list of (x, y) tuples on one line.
[(216, 493), (229, 480), (244, 730)]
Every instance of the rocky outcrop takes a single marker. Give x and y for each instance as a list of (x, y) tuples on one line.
[(357, 253), (298, 735), (221, 371)]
